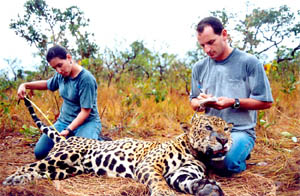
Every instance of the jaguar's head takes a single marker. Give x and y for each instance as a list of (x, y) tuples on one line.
[(209, 135)]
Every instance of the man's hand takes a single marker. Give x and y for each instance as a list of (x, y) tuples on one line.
[(196, 103), (204, 96), (222, 103)]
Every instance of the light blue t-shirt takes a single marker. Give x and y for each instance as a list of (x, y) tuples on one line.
[(240, 75), (79, 92)]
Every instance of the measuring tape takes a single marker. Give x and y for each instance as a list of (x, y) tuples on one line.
[(44, 116)]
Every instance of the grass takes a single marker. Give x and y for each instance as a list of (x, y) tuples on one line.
[(128, 113)]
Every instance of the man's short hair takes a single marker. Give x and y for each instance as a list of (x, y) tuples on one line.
[(214, 22), (56, 51)]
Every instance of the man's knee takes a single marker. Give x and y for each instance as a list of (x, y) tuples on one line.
[(228, 167), (234, 165)]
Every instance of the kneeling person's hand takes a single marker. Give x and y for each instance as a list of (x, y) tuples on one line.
[(65, 132)]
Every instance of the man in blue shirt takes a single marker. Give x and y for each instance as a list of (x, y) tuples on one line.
[(239, 82), (77, 86)]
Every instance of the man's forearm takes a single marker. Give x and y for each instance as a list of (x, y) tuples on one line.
[(252, 104)]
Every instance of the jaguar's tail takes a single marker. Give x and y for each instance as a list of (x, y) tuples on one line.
[(48, 130)]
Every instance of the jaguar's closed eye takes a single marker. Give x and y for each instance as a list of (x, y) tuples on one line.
[(208, 127)]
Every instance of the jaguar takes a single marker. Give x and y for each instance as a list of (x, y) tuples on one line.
[(177, 163)]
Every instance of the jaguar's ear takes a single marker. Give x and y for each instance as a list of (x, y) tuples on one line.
[(185, 127)]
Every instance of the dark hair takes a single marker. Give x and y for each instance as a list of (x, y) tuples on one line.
[(215, 23), (56, 51)]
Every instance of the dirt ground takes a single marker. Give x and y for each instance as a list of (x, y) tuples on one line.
[(15, 151)]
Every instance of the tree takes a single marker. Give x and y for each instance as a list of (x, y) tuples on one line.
[(137, 60), (260, 32), (116, 63), (264, 30), (14, 68), (41, 26)]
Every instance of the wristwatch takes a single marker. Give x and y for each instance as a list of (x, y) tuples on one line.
[(70, 130), (236, 104)]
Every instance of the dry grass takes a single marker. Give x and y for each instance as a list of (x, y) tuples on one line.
[(274, 167)]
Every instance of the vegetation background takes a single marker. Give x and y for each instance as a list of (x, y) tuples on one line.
[(144, 93)]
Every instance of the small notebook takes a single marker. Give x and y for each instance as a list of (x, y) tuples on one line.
[(208, 100)]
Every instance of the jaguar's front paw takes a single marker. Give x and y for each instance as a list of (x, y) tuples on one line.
[(206, 187)]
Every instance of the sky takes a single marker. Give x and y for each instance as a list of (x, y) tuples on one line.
[(163, 25)]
